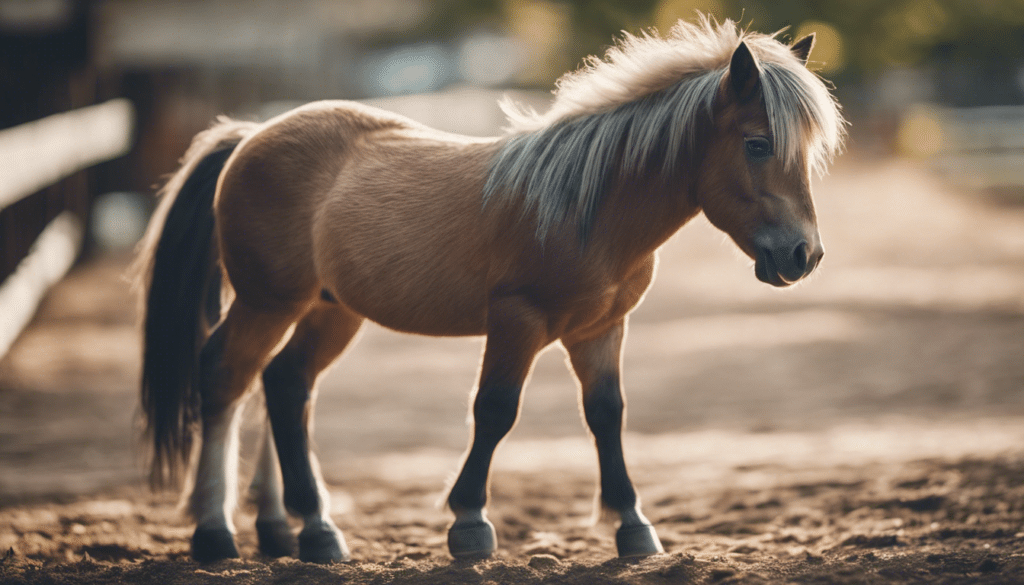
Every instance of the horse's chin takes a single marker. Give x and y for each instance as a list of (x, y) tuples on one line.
[(766, 272)]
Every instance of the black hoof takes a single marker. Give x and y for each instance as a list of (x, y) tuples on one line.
[(323, 544), (213, 544), (276, 538), (472, 541), (637, 540)]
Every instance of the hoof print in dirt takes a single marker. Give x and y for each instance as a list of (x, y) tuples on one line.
[(544, 562)]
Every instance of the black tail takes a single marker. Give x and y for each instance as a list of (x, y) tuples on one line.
[(182, 303), (178, 271)]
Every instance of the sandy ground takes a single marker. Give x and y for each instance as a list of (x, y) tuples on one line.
[(866, 426)]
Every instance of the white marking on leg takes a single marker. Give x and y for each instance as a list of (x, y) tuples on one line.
[(474, 516), (633, 517), (267, 488), (215, 493)]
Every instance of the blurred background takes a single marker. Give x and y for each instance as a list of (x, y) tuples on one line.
[(918, 312), (934, 79)]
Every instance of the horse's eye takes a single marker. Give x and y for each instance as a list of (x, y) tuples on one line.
[(758, 148)]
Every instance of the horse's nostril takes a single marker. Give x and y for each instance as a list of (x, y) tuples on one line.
[(800, 256), (815, 259)]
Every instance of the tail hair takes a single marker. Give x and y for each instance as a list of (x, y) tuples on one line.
[(177, 275)]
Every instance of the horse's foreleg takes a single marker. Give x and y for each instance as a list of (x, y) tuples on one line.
[(596, 363), (516, 331), (289, 383), (228, 363)]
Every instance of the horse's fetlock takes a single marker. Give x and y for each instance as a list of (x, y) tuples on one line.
[(303, 500), (618, 495)]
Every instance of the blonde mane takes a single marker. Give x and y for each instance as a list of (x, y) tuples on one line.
[(648, 93)]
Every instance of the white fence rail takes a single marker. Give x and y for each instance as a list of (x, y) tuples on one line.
[(32, 157), (38, 154)]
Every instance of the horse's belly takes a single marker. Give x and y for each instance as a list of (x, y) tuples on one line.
[(420, 316), (412, 294), (437, 323)]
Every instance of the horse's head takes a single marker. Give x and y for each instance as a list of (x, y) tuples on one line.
[(751, 183)]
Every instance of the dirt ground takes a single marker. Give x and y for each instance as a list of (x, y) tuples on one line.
[(865, 426)]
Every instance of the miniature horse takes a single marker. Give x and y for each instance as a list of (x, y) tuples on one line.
[(308, 224)]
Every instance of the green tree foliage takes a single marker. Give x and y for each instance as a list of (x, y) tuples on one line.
[(881, 33), (875, 34), (972, 51)]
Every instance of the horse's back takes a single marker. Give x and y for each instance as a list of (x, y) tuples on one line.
[(383, 212)]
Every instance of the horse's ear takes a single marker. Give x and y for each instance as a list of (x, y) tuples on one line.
[(744, 73), (802, 48)]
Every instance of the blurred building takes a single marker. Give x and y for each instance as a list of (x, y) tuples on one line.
[(183, 62)]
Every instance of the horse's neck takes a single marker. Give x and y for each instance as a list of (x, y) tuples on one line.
[(637, 219)]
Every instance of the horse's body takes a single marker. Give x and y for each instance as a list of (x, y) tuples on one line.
[(409, 229), (335, 213)]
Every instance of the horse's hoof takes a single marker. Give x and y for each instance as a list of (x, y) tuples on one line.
[(637, 540), (323, 543), (475, 540), (275, 538), (213, 544)]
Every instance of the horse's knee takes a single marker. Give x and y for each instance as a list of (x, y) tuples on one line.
[(496, 409), (603, 407)]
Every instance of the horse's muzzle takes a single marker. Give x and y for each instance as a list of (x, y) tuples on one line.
[(784, 263)]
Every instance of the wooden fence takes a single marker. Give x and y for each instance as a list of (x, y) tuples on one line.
[(33, 158)]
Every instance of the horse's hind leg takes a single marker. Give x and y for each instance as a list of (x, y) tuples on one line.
[(289, 382), (596, 363), (228, 363), (267, 489)]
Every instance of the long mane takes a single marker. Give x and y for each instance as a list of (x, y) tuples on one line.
[(641, 104)]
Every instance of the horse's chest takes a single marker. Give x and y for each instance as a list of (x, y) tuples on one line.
[(587, 311), (591, 309)]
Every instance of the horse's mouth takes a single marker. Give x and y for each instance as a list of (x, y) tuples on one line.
[(766, 271)]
